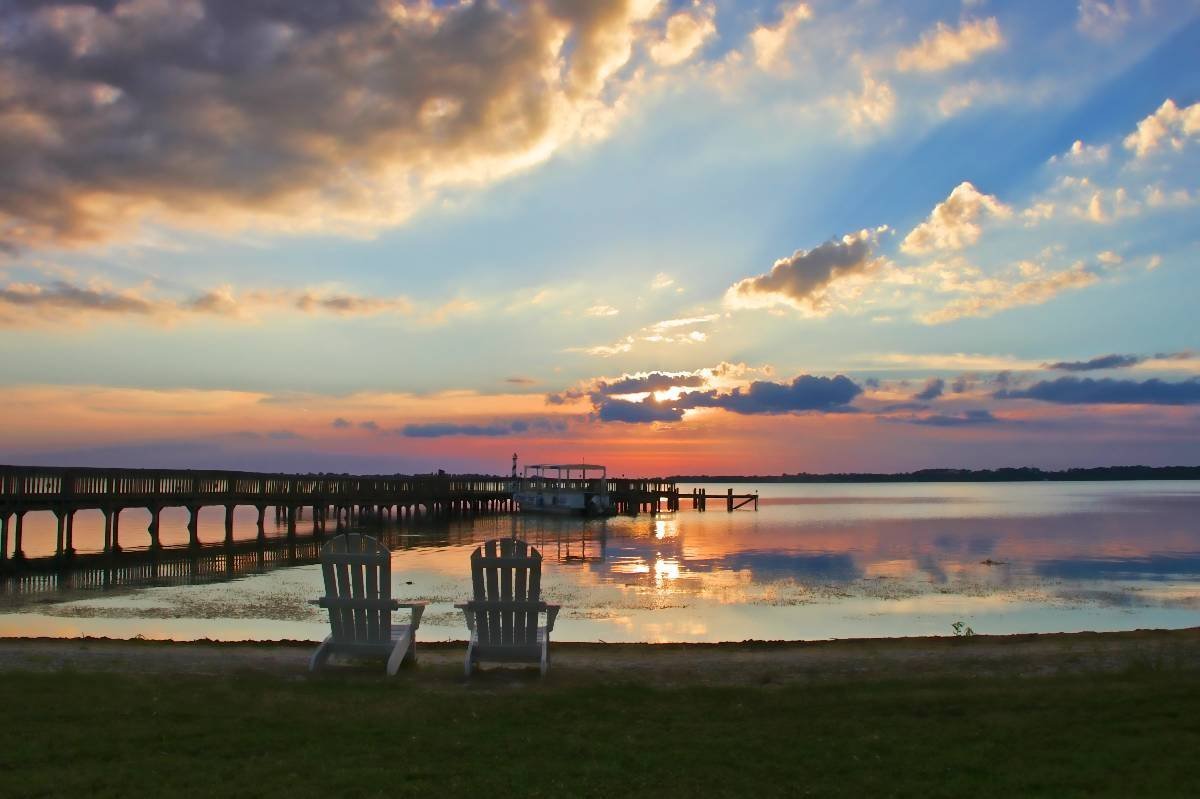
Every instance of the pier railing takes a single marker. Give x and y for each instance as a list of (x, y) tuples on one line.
[(346, 498), (43, 488)]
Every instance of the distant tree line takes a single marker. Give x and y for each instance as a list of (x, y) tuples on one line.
[(1009, 475)]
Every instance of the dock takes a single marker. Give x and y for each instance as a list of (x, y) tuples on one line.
[(323, 502)]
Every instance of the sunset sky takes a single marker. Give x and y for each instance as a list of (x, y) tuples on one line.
[(672, 237)]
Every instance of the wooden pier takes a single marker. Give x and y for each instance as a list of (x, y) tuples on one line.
[(732, 501), (332, 503)]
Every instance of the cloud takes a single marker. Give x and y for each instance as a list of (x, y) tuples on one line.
[(804, 393), (770, 41), (350, 305), (1156, 197), (945, 46), (601, 310), (369, 425), (1083, 154), (687, 321), (933, 389), (1088, 391), (644, 412), (302, 115), (489, 430), (904, 361), (649, 381), (1102, 19), (872, 107), (63, 296), (442, 429), (607, 350), (1031, 284), (661, 281), (668, 331), (25, 304), (686, 32), (1102, 207), (341, 424), (1100, 362), (1169, 125), (801, 279), (518, 380), (964, 419), (954, 223)]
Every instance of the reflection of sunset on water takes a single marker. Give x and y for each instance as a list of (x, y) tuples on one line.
[(817, 561)]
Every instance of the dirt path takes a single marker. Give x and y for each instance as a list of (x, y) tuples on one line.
[(657, 664)]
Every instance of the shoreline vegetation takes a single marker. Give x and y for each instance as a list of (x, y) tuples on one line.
[(1024, 474), (1085, 714)]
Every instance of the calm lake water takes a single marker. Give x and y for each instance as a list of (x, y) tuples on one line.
[(816, 561)]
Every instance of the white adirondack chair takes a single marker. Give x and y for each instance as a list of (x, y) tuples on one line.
[(358, 596), (504, 616)]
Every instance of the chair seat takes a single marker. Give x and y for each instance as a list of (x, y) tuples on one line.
[(513, 653), (399, 632)]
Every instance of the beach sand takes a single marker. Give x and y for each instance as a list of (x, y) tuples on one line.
[(748, 663)]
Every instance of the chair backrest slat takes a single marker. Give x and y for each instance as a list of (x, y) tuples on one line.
[(491, 580), (534, 591), (371, 579), (520, 594), (477, 588), (357, 571), (506, 619), (506, 580)]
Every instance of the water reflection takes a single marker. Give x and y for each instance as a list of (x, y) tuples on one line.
[(814, 562)]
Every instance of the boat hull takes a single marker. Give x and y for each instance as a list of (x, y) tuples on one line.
[(563, 503)]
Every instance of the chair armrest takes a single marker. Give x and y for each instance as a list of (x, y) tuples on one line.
[(417, 608), (551, 614), (465, 607)]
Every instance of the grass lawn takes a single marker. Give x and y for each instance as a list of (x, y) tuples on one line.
[(105, 734)]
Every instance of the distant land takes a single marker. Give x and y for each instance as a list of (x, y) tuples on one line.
[(1024, 474)]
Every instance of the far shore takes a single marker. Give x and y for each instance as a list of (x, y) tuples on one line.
[(745, 663), (1026, 474)]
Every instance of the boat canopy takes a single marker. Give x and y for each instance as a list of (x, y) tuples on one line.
[(588, 466), (540, 469)]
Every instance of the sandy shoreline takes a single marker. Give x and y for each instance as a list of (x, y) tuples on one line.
[(748, 663)]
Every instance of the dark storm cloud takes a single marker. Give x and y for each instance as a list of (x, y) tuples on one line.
[(934, 387), (315, 111), (1088, 391), (655, 381), (648, 410), (805, 393)]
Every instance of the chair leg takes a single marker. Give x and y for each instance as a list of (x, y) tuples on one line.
[(320, 656), (469, 665), (545, 657), (399, 651)]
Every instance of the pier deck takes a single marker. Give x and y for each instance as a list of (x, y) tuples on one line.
[(332, 503)]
